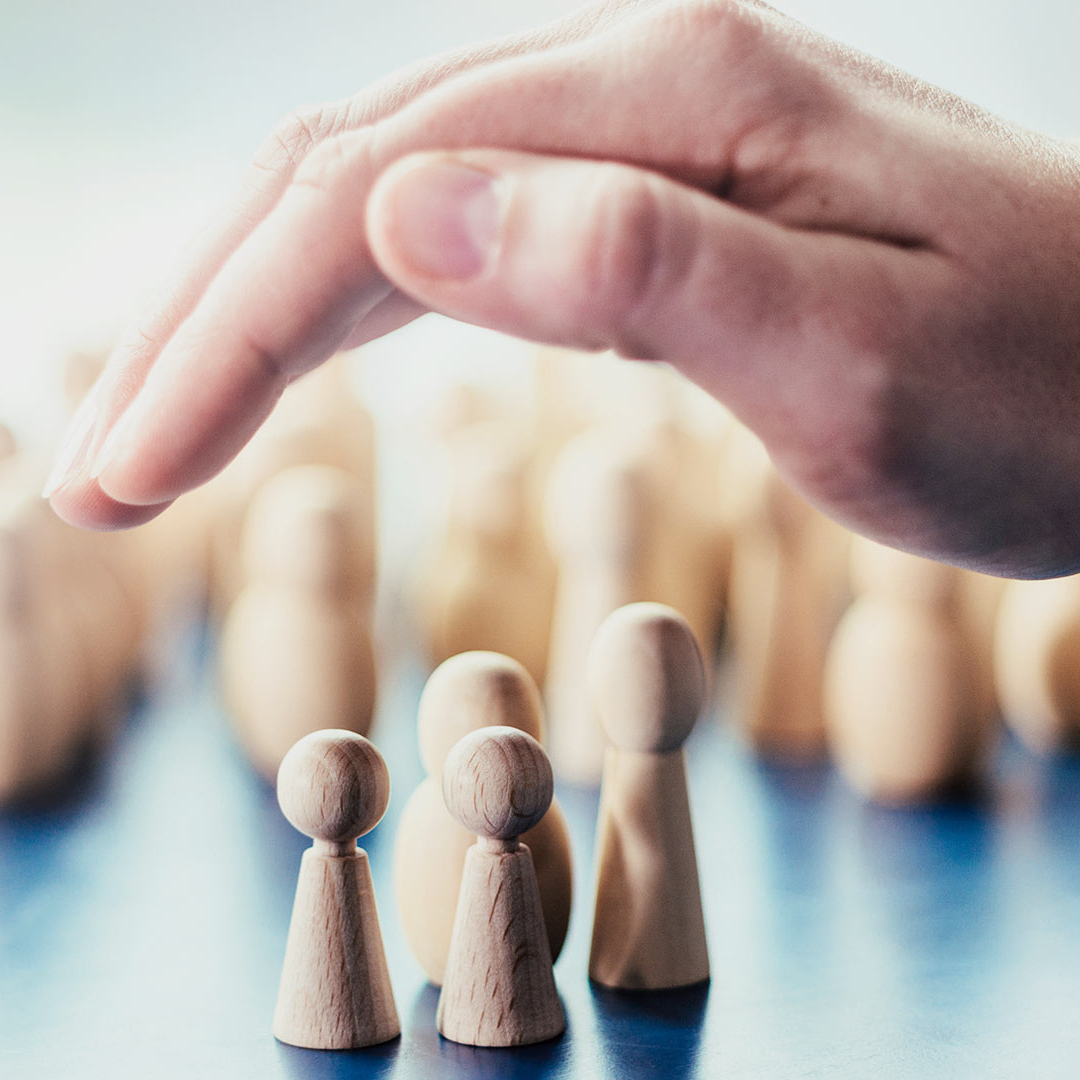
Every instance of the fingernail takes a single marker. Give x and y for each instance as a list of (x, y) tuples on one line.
[(446, 218), (73, 444)]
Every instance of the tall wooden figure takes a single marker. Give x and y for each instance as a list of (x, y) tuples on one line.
[(647, 683), (499, 988), (335, 989)]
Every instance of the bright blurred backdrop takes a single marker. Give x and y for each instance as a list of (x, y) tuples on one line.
[(123, 125)]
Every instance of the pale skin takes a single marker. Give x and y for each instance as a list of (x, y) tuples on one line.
[(880, 279)]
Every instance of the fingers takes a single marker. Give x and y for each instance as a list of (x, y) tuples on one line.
[(596, 255), (74, 490)]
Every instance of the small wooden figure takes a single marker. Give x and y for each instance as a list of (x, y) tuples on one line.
[(296, 647), (465, 693), (499, 988), (904, 697), (491, 585), (599, 502), (335, 991), (788, 590), (1037, 662), (647, 683)]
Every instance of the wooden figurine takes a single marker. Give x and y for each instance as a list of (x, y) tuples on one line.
[(296, 647), (907, 718), (788, 589), (465, 693), (598, 507), (499, 988), (335, 991), (491, 585), (647, 683), (1037, 662)]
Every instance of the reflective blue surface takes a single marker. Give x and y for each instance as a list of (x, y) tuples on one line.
[(143, 919)]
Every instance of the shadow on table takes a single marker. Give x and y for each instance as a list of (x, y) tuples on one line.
[(436, 1057), (371, 1063), (650, 1032)]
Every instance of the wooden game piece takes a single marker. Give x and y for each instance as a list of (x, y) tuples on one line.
[(499, 988), (296, 648), (1037, 662), (44, 673), (683, 441), (468, 692), (491, 586), (320, 420), (647, 683), (335, 991), (788, 590), (905, 714), (598, 507)]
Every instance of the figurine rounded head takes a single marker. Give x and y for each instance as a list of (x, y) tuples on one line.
[(497, 782), (646, 678), (470, 691), (333, 786)]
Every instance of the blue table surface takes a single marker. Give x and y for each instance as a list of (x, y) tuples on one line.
[(143, 921)]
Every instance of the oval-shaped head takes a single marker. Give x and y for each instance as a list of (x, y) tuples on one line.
[(307, 526), (646, 678), (497, 782), (470, 691), (333, 785)]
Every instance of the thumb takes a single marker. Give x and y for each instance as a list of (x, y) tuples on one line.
[(594, 255)]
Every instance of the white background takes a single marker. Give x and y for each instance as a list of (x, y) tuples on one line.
[(123, 124)]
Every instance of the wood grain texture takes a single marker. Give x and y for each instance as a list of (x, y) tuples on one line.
[(429, 860), (335, 991), (499, 988)]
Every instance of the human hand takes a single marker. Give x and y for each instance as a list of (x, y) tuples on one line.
[(874, 276)]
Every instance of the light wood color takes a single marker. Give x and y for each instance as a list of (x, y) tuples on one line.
[(499, 988), (647, 683), (906, 717), (1037, 662), (320, 420), (788, 590), (465, 693), (599, 503), (491, 583), (296, 647), (335, 991)]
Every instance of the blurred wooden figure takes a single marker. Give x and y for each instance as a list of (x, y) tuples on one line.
[(335, 991), (788, 584), (599, 502), (296, 648), (466, 693), (1037, 662), (499, 988), (491, 585), (906, 717), (647, 683), (320, 420)]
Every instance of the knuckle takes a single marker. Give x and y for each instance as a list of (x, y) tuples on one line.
[(626, 262), (733, 28), (296, 135)]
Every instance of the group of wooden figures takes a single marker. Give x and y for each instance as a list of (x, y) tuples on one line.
[(612, 483), (482, 858)]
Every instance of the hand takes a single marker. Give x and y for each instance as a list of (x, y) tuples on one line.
[(876, 277)]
